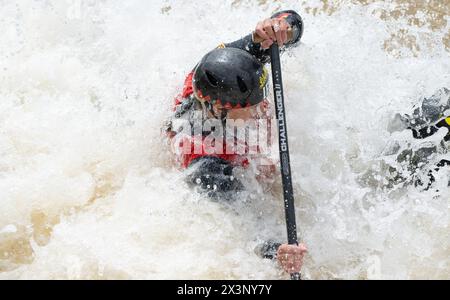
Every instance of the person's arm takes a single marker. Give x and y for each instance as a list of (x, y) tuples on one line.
[(289, 24), (214, 176)]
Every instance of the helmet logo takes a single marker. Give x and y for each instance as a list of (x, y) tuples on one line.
[(263, 78)]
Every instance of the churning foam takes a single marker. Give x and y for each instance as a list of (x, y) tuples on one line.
[(87, 189)]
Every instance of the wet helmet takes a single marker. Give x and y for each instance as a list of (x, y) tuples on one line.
[(231, 77)]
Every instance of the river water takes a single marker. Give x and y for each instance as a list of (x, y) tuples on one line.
[(87, 188)]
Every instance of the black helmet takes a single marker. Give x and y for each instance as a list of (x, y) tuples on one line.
[(231, 77)]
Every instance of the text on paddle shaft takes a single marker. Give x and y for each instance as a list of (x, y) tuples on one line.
[(280, 115), (228, 289)]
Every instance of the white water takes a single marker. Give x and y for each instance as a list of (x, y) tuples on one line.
[(87, 189)]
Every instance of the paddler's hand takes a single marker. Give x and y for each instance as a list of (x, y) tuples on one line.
[(271, 31), (290, 257)]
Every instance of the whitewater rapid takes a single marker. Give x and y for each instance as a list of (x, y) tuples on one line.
[(87, 188)]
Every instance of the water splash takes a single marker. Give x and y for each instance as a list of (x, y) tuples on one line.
[(87, 187)]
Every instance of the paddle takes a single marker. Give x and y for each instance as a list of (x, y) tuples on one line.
[(284, 150)]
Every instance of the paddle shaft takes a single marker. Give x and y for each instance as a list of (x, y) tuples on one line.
[(284, 150)]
